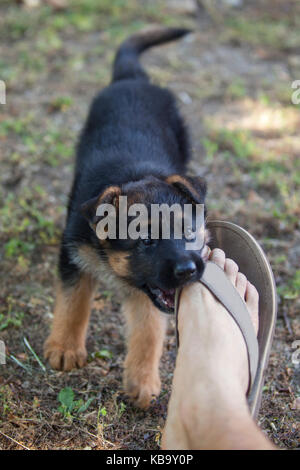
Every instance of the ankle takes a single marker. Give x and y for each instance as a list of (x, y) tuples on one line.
[(223, 425)]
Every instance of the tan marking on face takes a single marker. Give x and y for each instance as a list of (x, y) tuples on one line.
[(119, 262), (110, 195), (175, 179)]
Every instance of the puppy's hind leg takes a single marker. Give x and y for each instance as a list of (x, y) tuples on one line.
[(146, 332), (65, 347)]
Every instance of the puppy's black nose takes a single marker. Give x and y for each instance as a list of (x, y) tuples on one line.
[(184, 270)]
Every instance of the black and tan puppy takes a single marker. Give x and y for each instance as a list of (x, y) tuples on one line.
[(134, 143)]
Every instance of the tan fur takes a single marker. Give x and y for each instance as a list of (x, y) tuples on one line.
[(110, 194), (173, 179), (146, 331), (88, 259), (65, 347), (119, 262)]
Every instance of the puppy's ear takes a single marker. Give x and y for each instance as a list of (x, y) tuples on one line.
[(89, 208), (194, 187)]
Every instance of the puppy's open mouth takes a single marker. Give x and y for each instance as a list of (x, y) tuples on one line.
[(163, 299)]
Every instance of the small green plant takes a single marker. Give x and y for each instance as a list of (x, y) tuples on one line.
[(291, 290), (102, 411), (69, 406), (107, 294), (11, 318), (15, 126), (5, 399), (121, 409), (61, 103), (102, 354), (15, 246)]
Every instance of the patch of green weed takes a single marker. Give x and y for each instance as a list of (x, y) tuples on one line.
[(11, 319), (5, 399), (239, 143), (69, 406), (236, 89), (263, 31), (291, 290)]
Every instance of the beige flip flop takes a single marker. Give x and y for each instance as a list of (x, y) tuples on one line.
[(240, 246)]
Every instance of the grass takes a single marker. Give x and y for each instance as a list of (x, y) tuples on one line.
[(5, 399), (28, 360), (235, 90), (11, 319), (23, 215), (83, 17), (17, 127), (291, 290), (239, 143), (281, 34), (270, 172), (15, 247)]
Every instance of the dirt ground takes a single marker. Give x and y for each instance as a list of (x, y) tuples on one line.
[(233, 79)]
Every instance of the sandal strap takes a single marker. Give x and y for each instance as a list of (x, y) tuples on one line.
[(219, 284)]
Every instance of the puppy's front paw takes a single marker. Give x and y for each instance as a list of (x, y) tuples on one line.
[(141, 386), (64, 356)]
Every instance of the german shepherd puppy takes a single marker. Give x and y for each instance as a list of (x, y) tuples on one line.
[(135, 144)]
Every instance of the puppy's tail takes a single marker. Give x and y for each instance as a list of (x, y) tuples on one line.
[(127, 65)]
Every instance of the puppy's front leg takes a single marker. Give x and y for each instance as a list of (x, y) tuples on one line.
[(65, 347), (146, 331)]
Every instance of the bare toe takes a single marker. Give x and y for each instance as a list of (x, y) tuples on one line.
[(241, 284), (252, 299), (218, 256), (231, 269), (246, 290)]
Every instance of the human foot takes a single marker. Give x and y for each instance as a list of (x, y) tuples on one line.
[(208, 407), (205, 325)]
